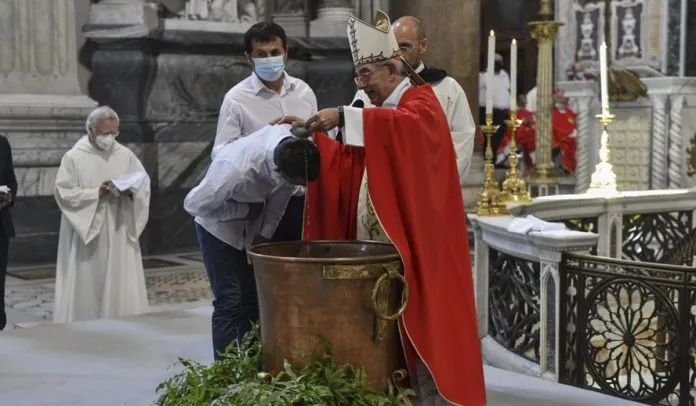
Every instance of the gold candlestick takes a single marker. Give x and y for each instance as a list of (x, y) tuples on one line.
[(514, 187), (604, 179), (489, 203)]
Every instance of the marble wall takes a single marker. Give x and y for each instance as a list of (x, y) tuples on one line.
[(165, 82), (646, 36), (652, 140), (168, 90), (42, 112)]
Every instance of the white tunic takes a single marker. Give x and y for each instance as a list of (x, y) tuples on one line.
[(369, 227), (99, 269)]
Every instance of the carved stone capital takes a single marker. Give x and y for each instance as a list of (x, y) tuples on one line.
[(544, 31)]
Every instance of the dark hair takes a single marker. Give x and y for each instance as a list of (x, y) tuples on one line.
[(297, 158), (264, 32)]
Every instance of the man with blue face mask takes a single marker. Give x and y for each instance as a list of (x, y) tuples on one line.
[(268, 93)]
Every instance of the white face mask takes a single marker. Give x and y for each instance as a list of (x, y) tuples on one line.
[(104, 142)]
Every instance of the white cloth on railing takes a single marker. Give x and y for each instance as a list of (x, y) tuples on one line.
[(525, 225)]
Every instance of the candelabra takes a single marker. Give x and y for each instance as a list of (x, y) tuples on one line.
[(489, 203), (604, 179), (514, 187)]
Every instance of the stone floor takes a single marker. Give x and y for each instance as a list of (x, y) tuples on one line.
[(173, 281), (121, 362)]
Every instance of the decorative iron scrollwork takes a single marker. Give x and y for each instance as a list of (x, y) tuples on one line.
[(631, 330), (648, 237), (514, 304), (627, 329)]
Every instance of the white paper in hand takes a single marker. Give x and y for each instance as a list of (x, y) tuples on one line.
[(5, 189), (132, 181)]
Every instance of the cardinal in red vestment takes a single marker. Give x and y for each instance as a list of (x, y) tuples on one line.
[(403, 151), (563, 122)]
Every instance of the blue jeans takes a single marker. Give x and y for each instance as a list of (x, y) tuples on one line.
[(235, 305)]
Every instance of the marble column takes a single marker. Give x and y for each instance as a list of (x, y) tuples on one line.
[(454, 48), (658, 175), (582, 94), (42, 112), (676, 153), (673, 129), (332, 17)]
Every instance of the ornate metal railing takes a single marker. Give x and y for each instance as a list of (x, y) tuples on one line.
[(514, 304), (628, 329), (648, 237), (521, 299)]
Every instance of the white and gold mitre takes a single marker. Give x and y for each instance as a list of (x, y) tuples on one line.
[(370, 43)]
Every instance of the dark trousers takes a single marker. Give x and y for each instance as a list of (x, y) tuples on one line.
[(499, 117), (235, 302), (4, 249)]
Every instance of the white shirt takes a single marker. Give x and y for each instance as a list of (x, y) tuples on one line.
[(242, 172), (250, 105), (461, 123), (501, 90)]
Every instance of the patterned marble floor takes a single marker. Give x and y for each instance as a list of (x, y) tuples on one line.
[(173, 282)]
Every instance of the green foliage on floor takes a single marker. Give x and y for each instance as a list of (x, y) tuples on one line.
[(236, 381)]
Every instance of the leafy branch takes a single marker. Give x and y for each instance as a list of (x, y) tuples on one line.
[(235, 380)]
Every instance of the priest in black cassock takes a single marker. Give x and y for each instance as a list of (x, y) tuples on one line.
[(8, 191)]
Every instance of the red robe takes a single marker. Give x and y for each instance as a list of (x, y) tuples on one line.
[(525, 136), (564, 123), (415, 191)]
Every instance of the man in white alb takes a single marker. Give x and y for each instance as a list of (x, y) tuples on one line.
[(103, 193), (413, 43)]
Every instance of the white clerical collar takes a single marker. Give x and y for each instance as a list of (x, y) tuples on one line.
[(393, 100), (420, 67)]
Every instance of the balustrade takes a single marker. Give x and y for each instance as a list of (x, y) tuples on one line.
[(591, 305)]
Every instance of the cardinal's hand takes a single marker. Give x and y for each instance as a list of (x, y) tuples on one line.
[(323, 121)]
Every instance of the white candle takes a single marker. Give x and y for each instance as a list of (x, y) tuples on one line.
[(604, 80), (489, 73), (513, 75)]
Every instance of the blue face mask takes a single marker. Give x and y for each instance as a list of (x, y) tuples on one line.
[(560, 106), (269, 69)]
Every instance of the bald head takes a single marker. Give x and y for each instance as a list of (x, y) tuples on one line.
[(410, 34), (410, 23)]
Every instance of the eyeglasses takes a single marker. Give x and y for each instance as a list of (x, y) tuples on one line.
[(363, 78)]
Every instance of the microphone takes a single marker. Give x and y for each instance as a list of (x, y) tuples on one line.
[(357, 103)]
